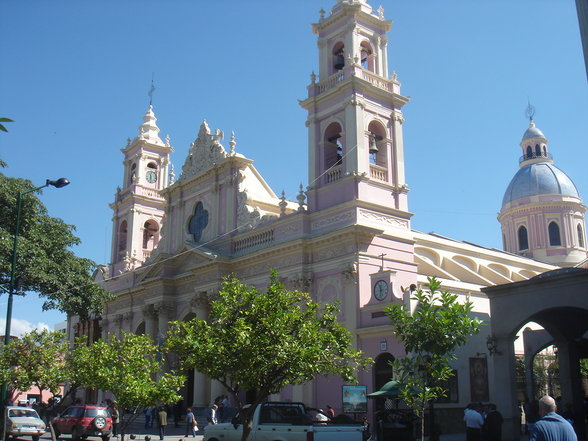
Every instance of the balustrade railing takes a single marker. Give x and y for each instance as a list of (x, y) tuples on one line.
[(379, 82), (329, 83), (332, 175), (378, 172), (253, 240)]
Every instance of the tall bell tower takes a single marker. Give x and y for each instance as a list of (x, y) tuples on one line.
[(354, 113), (138, 207)]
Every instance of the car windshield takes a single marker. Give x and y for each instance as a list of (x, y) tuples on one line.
[(22, 413), (94, 412)]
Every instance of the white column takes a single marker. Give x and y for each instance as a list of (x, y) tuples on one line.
[(202, 388), (150, 315)]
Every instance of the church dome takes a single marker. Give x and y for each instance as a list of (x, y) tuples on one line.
[(532, 132), (539, 178)]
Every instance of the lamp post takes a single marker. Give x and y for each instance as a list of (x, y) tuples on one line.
[(61, 182)]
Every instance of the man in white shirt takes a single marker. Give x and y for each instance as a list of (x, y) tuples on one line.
[(474, 422)]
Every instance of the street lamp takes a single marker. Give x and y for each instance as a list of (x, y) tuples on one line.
[(61, 182)]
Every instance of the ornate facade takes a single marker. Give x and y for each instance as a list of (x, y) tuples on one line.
[(347, 237)]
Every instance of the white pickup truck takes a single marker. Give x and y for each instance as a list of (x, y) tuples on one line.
[(275, 421)]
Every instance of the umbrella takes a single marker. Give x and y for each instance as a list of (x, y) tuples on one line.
[(392, 389)]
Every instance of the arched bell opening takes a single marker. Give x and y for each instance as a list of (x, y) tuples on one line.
[(367, 56), (333, 146), (377, 144), (338, 57), (122, 240), (150, 236), (132, 174)]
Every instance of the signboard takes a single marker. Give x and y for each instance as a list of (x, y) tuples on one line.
[(354, 399)]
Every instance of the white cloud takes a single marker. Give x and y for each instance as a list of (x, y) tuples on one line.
[(19, 327)]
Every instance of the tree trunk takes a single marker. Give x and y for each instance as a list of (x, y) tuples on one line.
[(247, 426)]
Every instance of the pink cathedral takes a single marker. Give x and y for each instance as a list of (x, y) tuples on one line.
[(346, 237)]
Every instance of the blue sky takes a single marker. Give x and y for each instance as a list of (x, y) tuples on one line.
[(75, 75)]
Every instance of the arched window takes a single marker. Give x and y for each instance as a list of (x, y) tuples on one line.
[(367, 59), (580, 236), (133, 173), (529, 152), (338, 57), (150, 235), (122, 240), (537, 150), (554, 237), (377, 144), (333, 146), (544, 150), (523, 239), (382, 373)]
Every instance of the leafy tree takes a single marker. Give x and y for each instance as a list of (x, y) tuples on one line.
[(3, 120), (36, 359), (46, 264), (264, 341), (129, 367), (438, 325)]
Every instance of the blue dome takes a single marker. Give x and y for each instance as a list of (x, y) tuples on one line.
[(533, 132), (539, 178)]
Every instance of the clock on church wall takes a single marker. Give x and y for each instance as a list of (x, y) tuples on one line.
[(381, 290), (151, 177)]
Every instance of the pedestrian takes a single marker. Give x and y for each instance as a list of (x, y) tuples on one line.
[(551, 426), (115, 415), (191, 423), (223, 408), (148, 415), (330, 411), (162, 422), (212, 415), (493, 424), (474, 422)]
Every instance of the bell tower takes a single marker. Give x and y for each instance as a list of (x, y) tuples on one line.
[(354, 113), (138, 207)]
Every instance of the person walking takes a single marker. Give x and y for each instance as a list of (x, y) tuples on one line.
[(162, 421), (115, 415), (148, 415), (474, 422), (212, 415), (551, 426), (191, 423), (493, 424)]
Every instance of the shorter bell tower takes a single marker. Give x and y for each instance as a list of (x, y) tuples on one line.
[(138, 207)]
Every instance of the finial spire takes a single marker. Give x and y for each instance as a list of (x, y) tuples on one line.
[(530, 110), (151, 90)]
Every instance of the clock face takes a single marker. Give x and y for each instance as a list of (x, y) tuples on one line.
[(151, 177), (381, 290)]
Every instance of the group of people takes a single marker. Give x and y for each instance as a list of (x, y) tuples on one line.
[(485, 423)]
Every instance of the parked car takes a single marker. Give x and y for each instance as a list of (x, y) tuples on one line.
[(277, 421), (82, 421), (23, 421)]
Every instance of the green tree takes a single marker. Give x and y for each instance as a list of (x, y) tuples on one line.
[(130, 367), (264, 341), (37, 359), (46, 264), (438, 325), (3, 120)]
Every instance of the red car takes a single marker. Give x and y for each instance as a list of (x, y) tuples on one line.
[(83, 421)]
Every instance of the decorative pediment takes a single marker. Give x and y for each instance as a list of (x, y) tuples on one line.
[(185, 260), (204, 152)]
